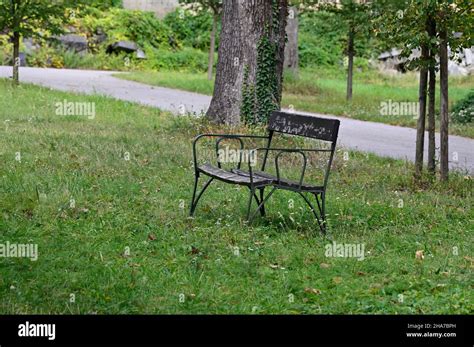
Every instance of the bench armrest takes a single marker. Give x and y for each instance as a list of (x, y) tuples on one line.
[(292, 150), (220, 138)]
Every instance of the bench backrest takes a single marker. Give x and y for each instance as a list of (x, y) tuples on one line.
[(308, 126), (301, 125)]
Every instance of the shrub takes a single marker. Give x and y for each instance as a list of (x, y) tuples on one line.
[(192, 28), (119, 24), (186, 59), (463, 111), (104, 4), (46, 56)]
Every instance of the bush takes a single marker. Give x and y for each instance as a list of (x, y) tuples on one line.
[(463, 111), (320, 39), (118, 24), (104, 4), (6, 50), (46, 56), (187, 59), (323, 39), (193, 29)]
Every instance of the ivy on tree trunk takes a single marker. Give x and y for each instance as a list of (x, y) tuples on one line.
[(250, 30)]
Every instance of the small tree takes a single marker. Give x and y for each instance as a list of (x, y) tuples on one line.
[(215, 6), (27, 18), (430, 26), (355, 15)]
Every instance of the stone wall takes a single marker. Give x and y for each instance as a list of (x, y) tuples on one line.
[(159, 7)]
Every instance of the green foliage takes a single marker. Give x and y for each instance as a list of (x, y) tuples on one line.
[(186, 59), (404, 24), (26, 18), (259, 100), (104, 4), (266, 84), (192, 28), (247, 106), (463, 110), (163, 47), (46, 56), (322, 40), (118, 24)]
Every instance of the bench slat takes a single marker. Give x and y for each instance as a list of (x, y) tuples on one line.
[(231, 177), (308, 126)]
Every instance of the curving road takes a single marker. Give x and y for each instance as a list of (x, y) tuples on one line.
[(381, 139)]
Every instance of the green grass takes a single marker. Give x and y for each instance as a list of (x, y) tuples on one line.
[(137, 204), (323, 91)]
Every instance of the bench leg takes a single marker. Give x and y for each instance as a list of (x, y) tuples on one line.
[(322, 211), (195, 200), (252, 196), (262, 204), (262, 209), (321, 218)]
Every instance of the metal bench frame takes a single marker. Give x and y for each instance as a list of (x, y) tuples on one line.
[(280, 122)]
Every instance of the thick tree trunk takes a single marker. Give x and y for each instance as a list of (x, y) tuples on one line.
[(243, 25), (212, 47), (291, 47), (431, 103), (444, 123), (420, 128), (350, 64), (280, 38), (16, 57)]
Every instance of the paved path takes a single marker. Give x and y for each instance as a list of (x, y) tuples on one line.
[(381, 139)]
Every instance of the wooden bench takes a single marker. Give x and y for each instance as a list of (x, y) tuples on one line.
[(322, 129)]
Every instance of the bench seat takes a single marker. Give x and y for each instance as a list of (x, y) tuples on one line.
[(232, 177), (283, 183)]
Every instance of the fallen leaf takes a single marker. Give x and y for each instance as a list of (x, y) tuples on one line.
[(324, 266), (360, 273), (152, 237), (312, 291), (419, 255), (195, 250)]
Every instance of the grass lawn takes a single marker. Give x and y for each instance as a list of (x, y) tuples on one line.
[(323, 91), (126, 245)]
